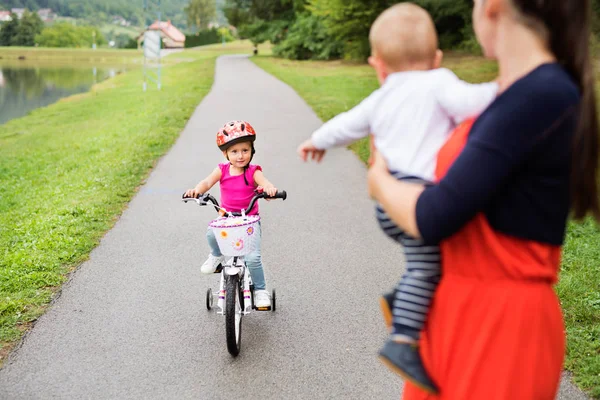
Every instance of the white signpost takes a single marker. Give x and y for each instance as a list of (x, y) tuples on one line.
[(152, 46)]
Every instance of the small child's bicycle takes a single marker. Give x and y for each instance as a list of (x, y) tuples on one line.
[(235, 234)]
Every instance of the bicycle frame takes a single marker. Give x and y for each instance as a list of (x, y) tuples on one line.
[(235, 298), (235, 266)]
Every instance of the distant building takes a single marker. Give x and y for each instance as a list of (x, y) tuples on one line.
[(5, 16), (118, 20), (46, 14), (172, 38), (18, 11)]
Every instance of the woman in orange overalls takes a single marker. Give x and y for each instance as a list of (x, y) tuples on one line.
[(506, 184)]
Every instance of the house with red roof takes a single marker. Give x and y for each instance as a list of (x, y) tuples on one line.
[(172, 38), (5, 16)]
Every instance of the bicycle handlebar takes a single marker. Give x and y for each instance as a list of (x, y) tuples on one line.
[(203, 199)]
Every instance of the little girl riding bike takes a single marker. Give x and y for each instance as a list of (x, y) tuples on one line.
[(238, 180)]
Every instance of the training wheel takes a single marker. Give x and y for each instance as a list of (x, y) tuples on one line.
[(209, 299), (273, 300)]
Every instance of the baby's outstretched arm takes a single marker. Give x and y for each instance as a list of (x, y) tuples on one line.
[(205, 184), (462, 100), (341, 130), (307, 148)]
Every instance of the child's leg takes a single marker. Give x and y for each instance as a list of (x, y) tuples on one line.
[(415, 290), (212, 243), (254, 263)]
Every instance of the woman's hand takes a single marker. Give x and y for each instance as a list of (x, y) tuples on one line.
[(398, 198), (377, 169)]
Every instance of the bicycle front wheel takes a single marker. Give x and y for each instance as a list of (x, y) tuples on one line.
[(233, 314)]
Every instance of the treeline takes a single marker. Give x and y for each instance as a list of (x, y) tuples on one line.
[(102, 10), (329, 29), (30, 31), (21, 32)]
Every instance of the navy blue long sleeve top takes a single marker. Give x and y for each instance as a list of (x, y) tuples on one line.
[(515, 166)]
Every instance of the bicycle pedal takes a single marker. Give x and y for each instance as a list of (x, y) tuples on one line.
[(263, 308), (219, 269)]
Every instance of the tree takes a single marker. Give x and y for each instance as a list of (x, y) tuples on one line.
[(349, 22), (67, 35), (9, 30), (237, 12), (306, 39), (30, 26), (200, 13)]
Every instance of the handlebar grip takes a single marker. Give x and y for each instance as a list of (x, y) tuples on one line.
[(183, 196), (281, 194)]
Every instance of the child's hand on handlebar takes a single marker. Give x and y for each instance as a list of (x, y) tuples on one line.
[(270, 190), (192, 193)]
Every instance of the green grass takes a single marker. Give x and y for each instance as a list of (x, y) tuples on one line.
[(332, 87), (66, 55), (69, 169), (579, 291)]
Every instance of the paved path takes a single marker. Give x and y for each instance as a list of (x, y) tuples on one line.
[(131, 323)]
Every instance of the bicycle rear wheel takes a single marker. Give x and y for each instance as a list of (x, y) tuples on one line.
[(233, 314)]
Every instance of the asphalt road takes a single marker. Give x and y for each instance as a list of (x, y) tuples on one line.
[(131, 323)]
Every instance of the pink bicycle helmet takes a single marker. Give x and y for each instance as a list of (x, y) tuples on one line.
[(235, 132)]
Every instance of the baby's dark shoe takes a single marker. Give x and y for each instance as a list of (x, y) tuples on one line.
[(386, 303), (405, 360)]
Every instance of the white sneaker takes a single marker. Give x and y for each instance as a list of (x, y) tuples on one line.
[(211, 264), (262, 299)]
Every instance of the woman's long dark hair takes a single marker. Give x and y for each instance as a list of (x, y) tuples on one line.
[(566, 24)]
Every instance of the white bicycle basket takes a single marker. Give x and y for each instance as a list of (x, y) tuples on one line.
[(236, 236)]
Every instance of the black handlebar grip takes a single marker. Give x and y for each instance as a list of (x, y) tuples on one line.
[(281, 194)]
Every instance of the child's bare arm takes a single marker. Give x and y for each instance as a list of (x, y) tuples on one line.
[(205, 184), (262, 181)]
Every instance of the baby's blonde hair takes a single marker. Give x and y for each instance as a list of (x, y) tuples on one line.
[(403, 36)]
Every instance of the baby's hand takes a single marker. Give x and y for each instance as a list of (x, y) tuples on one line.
[(308, 148)]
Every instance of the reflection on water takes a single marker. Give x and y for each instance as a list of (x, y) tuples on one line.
[(23, 89)]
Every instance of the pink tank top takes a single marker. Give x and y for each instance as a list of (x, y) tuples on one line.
[(235, 194)]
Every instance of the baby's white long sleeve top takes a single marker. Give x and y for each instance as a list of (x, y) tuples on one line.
[(410, 117)]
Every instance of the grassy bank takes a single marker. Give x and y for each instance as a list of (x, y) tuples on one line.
[(69, 169), (333, 87), (104, 56)]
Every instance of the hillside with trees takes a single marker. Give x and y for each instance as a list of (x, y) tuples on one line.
[(102, 11)]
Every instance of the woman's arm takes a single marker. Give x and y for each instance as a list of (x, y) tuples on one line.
[(263, 182), (398, 198), (205, 184), (499, 143)]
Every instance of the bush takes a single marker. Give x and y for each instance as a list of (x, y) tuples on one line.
[(67, 35), (307, 39), (203, 37), (226, 33), (262, 31)]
